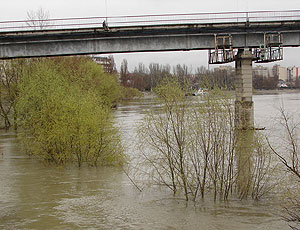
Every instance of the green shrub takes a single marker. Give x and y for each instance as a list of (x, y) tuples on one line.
[(129, 93), (89, 76), (65, 120)]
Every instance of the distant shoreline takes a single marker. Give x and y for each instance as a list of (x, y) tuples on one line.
[(274, 91), (255, 92)]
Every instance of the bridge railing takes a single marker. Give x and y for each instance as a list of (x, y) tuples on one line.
[(150, 20)]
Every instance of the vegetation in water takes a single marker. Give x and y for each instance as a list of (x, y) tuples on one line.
[(129, 93), (63, 106), (10, 74), (289, 155), (191, 147)]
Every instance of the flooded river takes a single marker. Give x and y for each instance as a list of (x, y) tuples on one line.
[(35, 196)]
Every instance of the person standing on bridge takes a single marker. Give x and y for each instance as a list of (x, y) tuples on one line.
[(105, 26)]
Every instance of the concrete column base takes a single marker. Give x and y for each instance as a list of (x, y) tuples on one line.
[(244, 121), (244, 115)]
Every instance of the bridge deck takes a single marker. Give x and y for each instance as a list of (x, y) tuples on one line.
[(139, 37), (232, 27), (148, 20)]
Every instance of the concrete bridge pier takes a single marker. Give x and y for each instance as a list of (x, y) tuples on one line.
[(244, 120), (243, 83)]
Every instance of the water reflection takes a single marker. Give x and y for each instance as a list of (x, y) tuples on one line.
[(35, 196)]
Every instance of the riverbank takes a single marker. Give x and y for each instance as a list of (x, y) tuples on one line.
[(274, 91), (255, 92)]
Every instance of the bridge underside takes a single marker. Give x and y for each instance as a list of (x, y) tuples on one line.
[(141, 39)]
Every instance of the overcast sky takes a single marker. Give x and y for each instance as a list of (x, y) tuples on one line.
[(17, 9)]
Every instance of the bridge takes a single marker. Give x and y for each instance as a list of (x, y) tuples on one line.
[(242, 37), (170, 32)]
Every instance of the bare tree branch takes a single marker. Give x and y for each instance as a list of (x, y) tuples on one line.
[(38, 20)]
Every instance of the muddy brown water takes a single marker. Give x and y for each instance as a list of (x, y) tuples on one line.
[(36, 196)]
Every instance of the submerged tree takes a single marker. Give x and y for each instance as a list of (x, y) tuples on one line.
[(289, 155), (164, 133), (191, 146), (10, 75), (66, 119)]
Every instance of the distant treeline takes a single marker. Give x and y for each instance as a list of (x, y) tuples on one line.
[(145, 78)]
